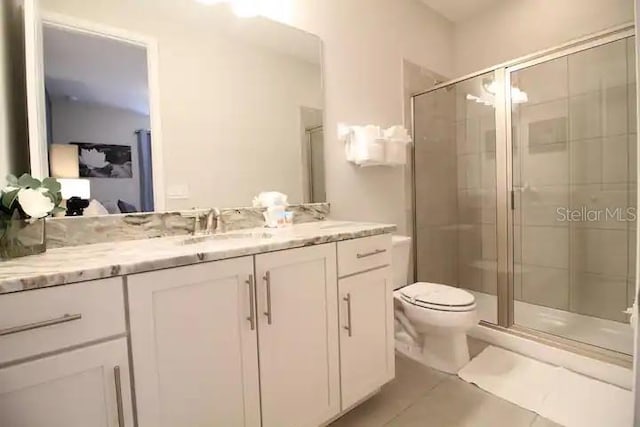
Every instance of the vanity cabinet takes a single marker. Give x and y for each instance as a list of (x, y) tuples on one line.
[(299, 344), (194, 345), (289, 338), (366, 334), (64, 357), (85, 387), (365, 288)]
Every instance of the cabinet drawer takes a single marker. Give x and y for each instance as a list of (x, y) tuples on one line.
[(363, 254), (44, 320)]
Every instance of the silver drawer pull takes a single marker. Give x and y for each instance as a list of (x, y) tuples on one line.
[(347, 299), (368, 254), (119, 406), (267, 279), (252, 313), (64, 319)]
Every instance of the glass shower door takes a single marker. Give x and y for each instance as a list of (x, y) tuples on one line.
[(455, 189), (573, 144)]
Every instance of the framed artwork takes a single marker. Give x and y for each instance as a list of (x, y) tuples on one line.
[(104, 160)]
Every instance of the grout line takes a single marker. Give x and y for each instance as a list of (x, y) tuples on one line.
[(445, 378)]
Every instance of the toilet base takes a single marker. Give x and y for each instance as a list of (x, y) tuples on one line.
[(444, 353)]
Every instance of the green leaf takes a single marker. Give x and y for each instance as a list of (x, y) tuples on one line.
[(27, 181), (56, 198), (4, 224), (52, 185), (9, 198), (58, 209)]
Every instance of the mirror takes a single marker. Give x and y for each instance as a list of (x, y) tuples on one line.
[(173, 104)]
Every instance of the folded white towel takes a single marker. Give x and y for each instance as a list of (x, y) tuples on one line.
[(367, 145)]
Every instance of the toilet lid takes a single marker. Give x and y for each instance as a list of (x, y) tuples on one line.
[(433, 295)]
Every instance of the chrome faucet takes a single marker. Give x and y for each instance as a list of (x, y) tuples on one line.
[(210, 219)]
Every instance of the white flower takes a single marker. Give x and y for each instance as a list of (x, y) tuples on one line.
[(34, 203), (93, 158)]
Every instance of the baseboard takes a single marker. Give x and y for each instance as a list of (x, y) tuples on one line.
[(607, 372)]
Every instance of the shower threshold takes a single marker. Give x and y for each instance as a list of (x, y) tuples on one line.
[(603, 333)]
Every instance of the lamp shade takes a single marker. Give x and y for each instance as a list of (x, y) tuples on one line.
[(75, 187), (63, 160)]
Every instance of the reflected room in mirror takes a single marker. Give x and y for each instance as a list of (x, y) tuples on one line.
[(97, 111), (137, 116)]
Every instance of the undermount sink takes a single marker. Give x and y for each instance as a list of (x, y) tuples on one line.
[(194, 240)]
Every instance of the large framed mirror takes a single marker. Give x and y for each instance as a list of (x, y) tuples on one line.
[(173, 104)]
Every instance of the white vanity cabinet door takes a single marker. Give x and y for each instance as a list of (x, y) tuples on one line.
[(78, 388), (366, 334), (194, 350), (298, 327)]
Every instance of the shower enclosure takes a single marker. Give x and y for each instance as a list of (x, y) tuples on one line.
[(525, 192)]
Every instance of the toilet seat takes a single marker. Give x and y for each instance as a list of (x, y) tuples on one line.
[(438, 297)]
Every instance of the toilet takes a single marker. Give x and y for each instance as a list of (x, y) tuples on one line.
[(432, 320)]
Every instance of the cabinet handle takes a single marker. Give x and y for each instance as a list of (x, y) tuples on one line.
[(368, 254), (267, 279), (347, 299), (252, 313), (116, 377), (43, 324)]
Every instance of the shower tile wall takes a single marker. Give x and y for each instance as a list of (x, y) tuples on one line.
[(455, 183), (436, 188), (416, 79), (574, 147), (476, 190), (541, 185)]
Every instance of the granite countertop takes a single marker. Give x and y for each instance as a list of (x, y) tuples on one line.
[(98, 261)]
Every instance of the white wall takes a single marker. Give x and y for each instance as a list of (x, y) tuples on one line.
[(14, 157), (364, 43), (4, 100), (231, 120), (82, 122), (511, 29)]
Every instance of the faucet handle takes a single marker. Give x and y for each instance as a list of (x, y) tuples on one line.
[(212, 219), (205, 221), (197, 226)]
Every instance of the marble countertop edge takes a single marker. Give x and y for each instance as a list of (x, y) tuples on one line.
[(105, 260)]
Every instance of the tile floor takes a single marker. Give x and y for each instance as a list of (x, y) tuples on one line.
[(423, 397)]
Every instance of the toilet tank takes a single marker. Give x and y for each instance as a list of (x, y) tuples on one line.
[(400, 256)]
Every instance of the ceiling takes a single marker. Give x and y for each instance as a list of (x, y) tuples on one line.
[(459, 10), (93, 69), (90, 69)]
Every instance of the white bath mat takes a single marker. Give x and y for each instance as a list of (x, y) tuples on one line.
[(555, 393)]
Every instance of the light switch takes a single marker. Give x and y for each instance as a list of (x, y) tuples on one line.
[(178, 191)]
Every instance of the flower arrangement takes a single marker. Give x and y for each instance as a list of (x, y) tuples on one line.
[(24, 203), (27, 197)]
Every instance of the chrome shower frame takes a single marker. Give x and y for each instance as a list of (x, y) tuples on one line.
[(504, 190)]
